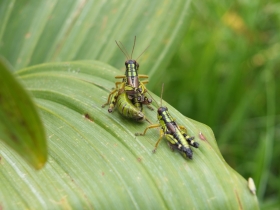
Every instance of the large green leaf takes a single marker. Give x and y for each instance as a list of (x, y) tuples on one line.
[(20, 125), (96, 162), (33, 32)]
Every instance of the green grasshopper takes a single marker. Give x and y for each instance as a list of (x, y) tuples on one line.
[(119, 98), (176, 135)]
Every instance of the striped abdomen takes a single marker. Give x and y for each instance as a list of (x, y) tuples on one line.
[(127, 109)]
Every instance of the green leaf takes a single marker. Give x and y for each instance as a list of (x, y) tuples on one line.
[(96, 161), (73, 30), (20, 126)]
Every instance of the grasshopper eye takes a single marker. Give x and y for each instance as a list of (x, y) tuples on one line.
[(161, 110), (136, 64)]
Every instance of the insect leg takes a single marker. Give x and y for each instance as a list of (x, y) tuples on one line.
[(149, 127), (161, 134), (145, 82), (120, 77), (112, 99), (141, 76), (109, 97), (172, 142), (118, 83), (189, 139), (141, 96)]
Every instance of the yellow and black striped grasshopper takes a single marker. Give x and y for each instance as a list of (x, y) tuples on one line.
[(134, 88), (176, 135)]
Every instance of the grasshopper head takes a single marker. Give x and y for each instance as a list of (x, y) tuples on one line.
[(131, 62), (161, 110)]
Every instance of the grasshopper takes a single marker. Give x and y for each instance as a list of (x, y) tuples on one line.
[(134, 88), (129, 95), (175, 134), (119, 98)]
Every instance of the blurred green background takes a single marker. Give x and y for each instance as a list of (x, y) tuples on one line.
[(226, 75)]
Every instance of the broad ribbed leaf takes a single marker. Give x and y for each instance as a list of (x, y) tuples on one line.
[(20, 126), (33, 32), (96, 162)]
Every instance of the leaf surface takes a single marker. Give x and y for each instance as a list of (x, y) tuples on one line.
[(96, 162), (48, 31), (20, 125)]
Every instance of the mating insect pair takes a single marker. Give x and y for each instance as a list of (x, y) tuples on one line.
[(129, 95), (176, 135)]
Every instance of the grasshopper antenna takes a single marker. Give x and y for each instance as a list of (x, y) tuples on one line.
[(161, 94), (123, 50), (133, 47), (142, 52), (148, 121)]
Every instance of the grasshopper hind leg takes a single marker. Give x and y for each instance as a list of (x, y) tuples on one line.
[(191, 141), (187, 152)]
